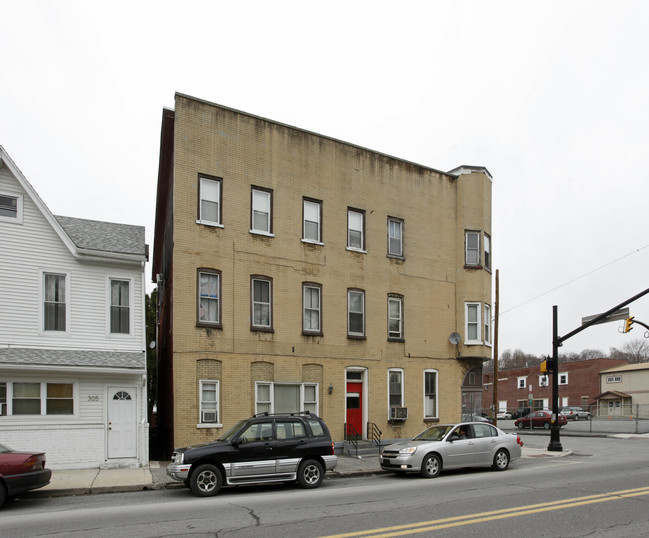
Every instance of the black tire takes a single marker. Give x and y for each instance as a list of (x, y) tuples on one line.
[(310, 474), (206, 480), (3, 493), (501, 460), (589, 417), (546, 425), (431, 466), (520, 426)]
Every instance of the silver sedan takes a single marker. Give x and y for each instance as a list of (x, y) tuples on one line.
[(453, 446)]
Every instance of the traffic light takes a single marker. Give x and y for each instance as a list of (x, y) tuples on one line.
[(628, 324), (547, 365)]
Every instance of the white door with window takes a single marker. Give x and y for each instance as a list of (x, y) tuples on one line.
[(122, 422)]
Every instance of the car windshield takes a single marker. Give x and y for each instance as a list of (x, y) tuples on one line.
[(232, 431), (434, 433), (5, 449)]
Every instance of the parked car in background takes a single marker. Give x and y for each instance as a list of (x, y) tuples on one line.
[(295, 447), (539, 419), (452, 446), (520, 412), (473, 417), (21, 471), (575, 413), (505, 415)]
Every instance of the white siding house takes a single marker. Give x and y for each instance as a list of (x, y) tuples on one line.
[(72, 333)]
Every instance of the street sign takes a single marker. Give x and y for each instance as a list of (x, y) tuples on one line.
[(622, 313)]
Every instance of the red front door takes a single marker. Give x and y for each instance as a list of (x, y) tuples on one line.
[(354, 410)]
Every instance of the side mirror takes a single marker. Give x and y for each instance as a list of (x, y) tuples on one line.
[(453, 437), (236, 442)]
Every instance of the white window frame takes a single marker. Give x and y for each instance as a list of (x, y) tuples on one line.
[(436, 410), (487, 324), (471, 252), (217, 386), (397, 224), (261, 202), (66, 274), (110, 281), (204, 182), (521, 382), (487, 252), (308, 205), (353, 227), (614, 379), (544, 380), (399, 371), (350, 333), (269, 405), (310, 309), (398, 299), (477, 323), (18, 219), (206, 322), (563, 378), (8, 405), (255, 301)]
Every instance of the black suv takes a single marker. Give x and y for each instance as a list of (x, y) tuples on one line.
[(262, 449)]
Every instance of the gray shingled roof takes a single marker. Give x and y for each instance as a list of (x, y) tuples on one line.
[(58, 357), (104, 236)]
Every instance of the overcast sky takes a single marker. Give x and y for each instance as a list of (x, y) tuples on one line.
[(551, 97)]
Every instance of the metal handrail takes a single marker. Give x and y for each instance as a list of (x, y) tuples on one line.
[(352, 436), (374, 434)]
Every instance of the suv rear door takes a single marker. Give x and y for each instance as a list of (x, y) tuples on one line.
[(292, 444)]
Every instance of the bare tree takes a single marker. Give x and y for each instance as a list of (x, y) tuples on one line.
[(634, 351)]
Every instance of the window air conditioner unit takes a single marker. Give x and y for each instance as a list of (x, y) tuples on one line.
[(209, 416), (543, 383), (398, 413)]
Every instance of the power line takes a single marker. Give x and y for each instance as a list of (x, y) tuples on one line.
[(573, 280)]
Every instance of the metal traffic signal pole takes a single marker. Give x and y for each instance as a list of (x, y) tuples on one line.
[(557, 342)]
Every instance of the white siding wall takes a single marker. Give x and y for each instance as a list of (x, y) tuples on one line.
[(78, 441), (27, 249), (34, 246)]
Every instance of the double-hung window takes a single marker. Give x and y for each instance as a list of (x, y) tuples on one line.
[(209, 403), (395, 317), (312, 219), (55, 298), (430, 394), (395, 237), (487, 324), (11, 208), (356, 230), (261, 292), (209, 298), (487, 252), (473, 324), (120, 309), (395, 387), (472, 248), (261, 218), (312, 304), (210, 201), (355, 313)]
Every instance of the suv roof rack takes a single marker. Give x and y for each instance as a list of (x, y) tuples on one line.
[(295, 414)]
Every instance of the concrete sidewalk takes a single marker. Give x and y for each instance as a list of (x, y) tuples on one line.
[(95, 481)]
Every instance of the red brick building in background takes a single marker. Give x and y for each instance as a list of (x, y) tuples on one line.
[(578, 385)]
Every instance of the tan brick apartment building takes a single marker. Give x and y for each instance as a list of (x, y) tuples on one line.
[(298, 272), (579, 385)]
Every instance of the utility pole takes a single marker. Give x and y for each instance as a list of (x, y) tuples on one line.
[(495, 383)]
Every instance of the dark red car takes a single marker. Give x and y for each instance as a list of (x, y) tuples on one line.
[(21, 472), (539, 419)]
